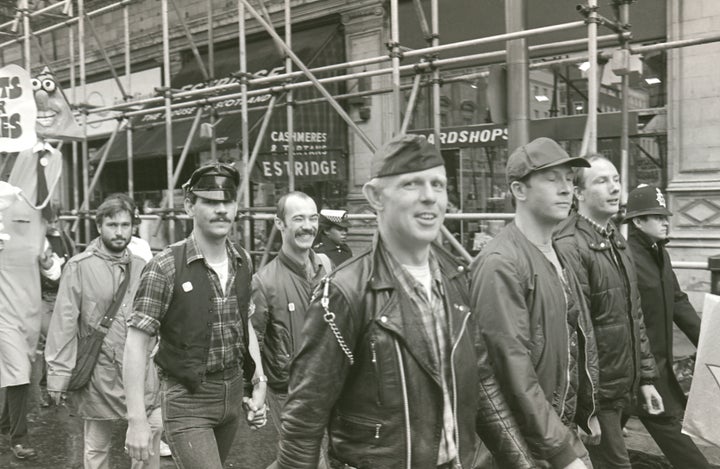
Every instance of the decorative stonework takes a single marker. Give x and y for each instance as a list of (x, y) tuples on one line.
[(698, 212)]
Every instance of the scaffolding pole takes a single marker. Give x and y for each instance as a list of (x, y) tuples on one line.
[(168, 118), (394, 49), (289, 105), (592, 23), (245, 187)]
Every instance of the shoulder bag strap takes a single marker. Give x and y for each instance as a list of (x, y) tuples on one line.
[(117, 300)]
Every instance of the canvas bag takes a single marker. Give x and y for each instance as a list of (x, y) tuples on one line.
[(89, 346)]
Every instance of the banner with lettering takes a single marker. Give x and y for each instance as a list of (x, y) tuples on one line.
[(18, 111)]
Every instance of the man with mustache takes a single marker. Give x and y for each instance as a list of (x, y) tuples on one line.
[(598, 255), (195, 295), (90, 283), (391, 361), (532, 311), (663, 303), (281, 292)]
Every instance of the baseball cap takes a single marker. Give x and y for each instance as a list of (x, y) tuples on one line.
[(405, 153), (646, 200), (217, 181), (539, 154)]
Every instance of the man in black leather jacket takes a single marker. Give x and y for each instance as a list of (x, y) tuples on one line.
[(538, 330), (392, 362)]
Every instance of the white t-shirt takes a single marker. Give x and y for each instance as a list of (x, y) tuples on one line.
[(140, 248), (421, 274), (221, 269)]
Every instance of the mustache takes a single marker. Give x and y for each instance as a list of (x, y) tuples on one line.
[(225, 219), (311, 232)]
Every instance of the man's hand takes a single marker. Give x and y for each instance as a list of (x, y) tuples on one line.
[(256, 413), (653, 403), (576, 464), (594, 438), (57, 397), (138, 440)]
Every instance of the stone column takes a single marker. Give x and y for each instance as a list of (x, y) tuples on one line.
[(693, 104), (366, 33)]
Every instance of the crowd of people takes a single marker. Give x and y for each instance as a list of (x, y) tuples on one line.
[(402, 356)]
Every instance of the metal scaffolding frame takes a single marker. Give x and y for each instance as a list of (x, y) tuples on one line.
[(298, 75)]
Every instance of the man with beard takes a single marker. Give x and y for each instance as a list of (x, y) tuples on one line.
[(281, 292), (663, 303), (90, 284), (597, 253)]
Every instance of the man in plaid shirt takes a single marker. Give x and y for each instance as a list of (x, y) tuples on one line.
[(196, 295)]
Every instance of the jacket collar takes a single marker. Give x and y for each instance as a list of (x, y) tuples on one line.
[(299, 269), (396, 312), (95, 247), (194, 253), (600, 238)]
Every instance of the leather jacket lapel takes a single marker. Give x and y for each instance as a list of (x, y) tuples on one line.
[(395, 312)]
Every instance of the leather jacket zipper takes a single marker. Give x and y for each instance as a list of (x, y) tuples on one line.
[(454, 383), (406, 406), (378, 373), (587, 372)]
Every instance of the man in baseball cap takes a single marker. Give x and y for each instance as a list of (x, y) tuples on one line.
[(663, 303), (519, 280), (541, 153), (377, 346)]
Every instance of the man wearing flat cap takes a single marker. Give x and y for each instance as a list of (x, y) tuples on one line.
[(392, 362), (598, 255), (333, 229), (196, 296), (534, 321), (663, 303)]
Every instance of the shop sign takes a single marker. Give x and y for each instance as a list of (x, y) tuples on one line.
[(468, 136)]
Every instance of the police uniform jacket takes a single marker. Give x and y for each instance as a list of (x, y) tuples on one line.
[(663, 303)]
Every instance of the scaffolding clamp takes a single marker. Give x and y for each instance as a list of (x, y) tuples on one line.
[(394, 50)]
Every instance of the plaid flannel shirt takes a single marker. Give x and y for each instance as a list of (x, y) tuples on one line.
[(155, 292)]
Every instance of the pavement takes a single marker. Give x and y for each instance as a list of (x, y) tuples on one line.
[(57, 437)]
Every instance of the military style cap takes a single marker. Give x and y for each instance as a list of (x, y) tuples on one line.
[(646, 200), (405, 154), (215, 181), (539, 154), (334, 217)]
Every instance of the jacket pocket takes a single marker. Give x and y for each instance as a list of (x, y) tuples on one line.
[(377, 368), (361, 428)]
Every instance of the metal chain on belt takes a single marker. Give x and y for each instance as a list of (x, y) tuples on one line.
[(329, 318)]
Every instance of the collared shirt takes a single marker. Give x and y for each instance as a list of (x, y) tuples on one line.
[(155, 292), (605, 231), (432, 311)]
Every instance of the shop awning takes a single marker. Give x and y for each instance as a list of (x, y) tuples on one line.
[(316, 46)]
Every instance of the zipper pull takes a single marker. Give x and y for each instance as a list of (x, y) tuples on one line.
[(377, 430), (372, 351)]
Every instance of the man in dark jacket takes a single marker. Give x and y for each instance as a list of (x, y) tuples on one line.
[(281, 293), (663, 302), (537, 328), (333, 232), (598, 254), (392, 362)]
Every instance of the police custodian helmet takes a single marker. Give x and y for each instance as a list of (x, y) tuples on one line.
[(646, 200)]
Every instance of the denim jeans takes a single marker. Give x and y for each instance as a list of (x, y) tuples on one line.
[(200, 427), (97, 434), (611, 453)]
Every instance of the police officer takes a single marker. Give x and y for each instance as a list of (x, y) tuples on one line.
[(332, 236), (663, 303)]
